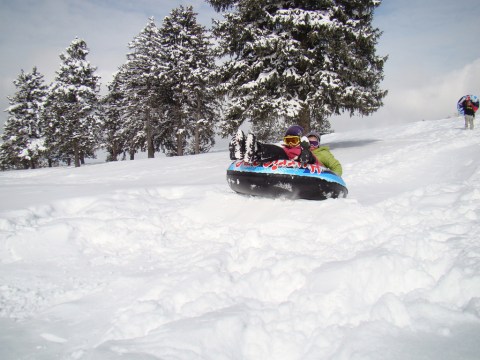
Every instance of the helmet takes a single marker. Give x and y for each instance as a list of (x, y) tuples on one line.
[(314, 133), (295, 130)]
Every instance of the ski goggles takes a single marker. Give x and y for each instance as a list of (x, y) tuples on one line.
[(314, 143), (291, 140)]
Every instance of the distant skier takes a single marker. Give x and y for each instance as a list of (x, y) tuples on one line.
[(469, 109)]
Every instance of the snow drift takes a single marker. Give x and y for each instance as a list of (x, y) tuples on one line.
[(159, 259)]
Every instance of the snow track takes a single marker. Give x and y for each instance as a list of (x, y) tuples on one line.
[(159, 259)]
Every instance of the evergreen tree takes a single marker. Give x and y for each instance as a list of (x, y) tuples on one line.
[(113, 134), (188, 65), (71, 108), (298, 61), (23, 143), (140, 85)]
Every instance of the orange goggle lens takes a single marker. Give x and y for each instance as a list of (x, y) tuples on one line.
[(291, 140)]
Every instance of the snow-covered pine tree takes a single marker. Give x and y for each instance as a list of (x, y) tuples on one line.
[(188, 65), (140, 85), (23, 143), (298, 61), (112, 120), (70, 116)]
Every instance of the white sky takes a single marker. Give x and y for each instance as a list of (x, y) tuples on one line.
[(434, 57)]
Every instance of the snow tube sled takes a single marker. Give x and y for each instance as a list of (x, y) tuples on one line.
[(285, 179)]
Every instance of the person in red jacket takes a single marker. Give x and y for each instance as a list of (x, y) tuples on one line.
[(469, 110)]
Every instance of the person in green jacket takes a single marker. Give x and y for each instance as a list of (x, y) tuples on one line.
[(323, 154)]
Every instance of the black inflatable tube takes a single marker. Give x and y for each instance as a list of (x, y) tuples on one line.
[(285, 179)]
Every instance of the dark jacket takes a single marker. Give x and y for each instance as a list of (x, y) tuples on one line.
[(468, 108)]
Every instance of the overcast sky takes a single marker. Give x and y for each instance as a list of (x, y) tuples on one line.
[(433, 49)]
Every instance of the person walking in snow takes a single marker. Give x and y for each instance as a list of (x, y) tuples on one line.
[(469, 110), (323, 154)]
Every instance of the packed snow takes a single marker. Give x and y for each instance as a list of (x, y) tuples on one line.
[(159, 259)]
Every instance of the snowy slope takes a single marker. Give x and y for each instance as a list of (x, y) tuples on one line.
[(158, 259)]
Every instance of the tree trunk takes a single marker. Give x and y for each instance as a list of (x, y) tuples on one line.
[(304, 118), (148, 125), (197, 125), (132, 155), (180, 131), (114, 154), (76, 151), (197, 138), (180, 143)]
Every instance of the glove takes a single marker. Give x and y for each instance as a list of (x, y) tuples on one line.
[(304, 143), (305, 156)]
